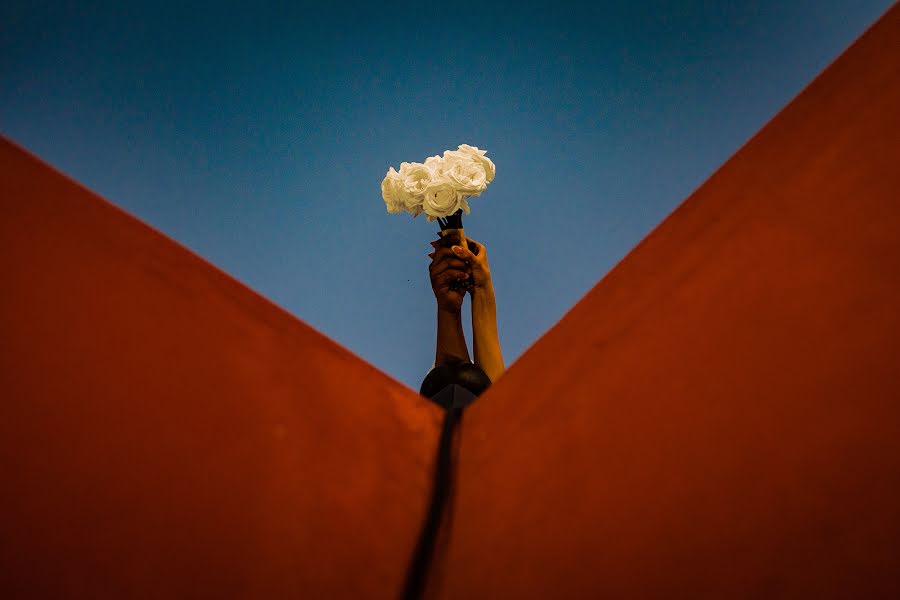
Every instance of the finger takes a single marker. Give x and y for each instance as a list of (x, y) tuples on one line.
[(431, 255), (439, 265), (444, 253), (455, 264), (463, 253), (450, 238), (449, 275)]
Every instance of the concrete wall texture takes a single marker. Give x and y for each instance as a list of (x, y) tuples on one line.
[(166, 432), (720, 415)]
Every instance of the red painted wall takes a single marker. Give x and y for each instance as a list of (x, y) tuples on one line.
[(720, 415), (166, 432)]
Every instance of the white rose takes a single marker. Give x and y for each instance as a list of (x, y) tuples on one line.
[(414, 204), (391, 187), (464, 172), (436, 164), (416, 177), (442, 199), (489, 169)]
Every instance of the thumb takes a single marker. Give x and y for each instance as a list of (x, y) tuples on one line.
[(463, 253)]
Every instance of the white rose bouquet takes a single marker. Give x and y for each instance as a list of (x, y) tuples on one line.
[(440, 187)]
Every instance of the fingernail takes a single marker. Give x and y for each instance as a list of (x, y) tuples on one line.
[(457, 249)]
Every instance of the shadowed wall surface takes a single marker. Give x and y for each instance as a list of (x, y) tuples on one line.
[(720, 415), (166, 432)]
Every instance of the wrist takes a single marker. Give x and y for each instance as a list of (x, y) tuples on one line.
[(485, 289), (450, 311)]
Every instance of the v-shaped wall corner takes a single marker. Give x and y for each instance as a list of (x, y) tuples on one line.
[(718, 417), (166, 432)]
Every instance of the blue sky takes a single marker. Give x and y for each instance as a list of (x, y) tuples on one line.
[(257, 134)]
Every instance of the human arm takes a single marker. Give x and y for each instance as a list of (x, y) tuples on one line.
[(445, 268), (451, 342), (485, 335)]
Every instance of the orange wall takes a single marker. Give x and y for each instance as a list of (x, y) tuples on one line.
[(720, 415), (166, 432)]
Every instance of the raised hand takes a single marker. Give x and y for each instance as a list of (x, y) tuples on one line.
[(475, 257), (447, 268)]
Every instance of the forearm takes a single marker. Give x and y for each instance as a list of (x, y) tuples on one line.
[(486, 338), (451, 342)]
